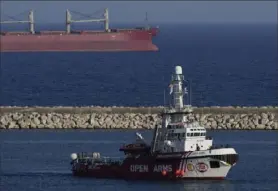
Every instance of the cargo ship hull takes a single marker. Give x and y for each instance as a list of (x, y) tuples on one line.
[(82, 41), (109, 39)]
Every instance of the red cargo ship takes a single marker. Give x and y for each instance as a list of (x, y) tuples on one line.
[(180, 149), (137, 39)]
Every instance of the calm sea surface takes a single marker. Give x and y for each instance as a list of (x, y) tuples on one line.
[(232, 64), (39, 160)]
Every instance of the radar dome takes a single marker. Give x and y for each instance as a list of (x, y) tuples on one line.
[(73, 156), (178, 70)]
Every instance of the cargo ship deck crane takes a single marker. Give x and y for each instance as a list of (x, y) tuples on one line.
[(105, 20), (119, 39), (31, 22)]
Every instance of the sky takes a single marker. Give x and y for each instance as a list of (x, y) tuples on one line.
[(158, 11)]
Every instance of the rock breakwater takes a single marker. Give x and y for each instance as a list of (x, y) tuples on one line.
[(240, 118)]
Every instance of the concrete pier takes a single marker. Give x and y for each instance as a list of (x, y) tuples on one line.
[(93, 117)]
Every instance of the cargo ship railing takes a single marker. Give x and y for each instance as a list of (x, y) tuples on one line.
[(96, 158), (69, 20)]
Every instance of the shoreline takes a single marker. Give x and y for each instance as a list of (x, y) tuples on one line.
[(96, 117)]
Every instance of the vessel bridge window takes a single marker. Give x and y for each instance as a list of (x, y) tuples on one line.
[(214, 164), (195, 134), (175, 127), (228, 158), (200, 129), (176, 135)]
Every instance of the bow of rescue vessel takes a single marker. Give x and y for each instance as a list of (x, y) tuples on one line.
[(133, 39), (180, 148)]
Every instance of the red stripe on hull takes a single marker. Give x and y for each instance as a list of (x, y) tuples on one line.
[(79, 46)]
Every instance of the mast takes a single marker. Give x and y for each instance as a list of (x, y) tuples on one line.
[(177, 92), (177, 82), (171, 114), (31, 22), (106, 20), (154, 140), (68, 21), (190, 94)]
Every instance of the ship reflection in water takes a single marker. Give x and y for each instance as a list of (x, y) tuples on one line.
[(184, 185)]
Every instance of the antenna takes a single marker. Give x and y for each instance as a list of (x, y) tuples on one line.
[(190, 92), (164, 93), (202, 104), (146, 20), (170, 98), (185, 88), (164, 98)]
